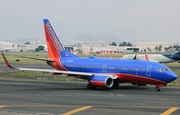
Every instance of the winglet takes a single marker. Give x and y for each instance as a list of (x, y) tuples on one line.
[(6, 61)]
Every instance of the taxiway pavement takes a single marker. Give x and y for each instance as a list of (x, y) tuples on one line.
[(27, 97)]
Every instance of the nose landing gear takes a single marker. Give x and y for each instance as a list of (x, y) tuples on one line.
[(157, 88)]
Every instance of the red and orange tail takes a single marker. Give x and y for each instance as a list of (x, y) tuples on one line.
[(54, 45), (147, 57)]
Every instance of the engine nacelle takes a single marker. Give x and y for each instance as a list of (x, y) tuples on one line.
[(101, 81)]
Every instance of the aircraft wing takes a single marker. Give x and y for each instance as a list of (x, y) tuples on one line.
[(42, 59), (155, 61), (88, 75)]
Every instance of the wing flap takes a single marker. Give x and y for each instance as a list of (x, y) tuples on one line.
[(67, 72), (55, 71)]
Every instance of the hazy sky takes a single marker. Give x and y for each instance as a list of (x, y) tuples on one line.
[(130, 20)]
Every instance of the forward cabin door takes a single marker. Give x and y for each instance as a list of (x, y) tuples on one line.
[(148, 70), (104, 68)]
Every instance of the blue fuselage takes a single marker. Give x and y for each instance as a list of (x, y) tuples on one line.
[(172, 57), (126, 70)]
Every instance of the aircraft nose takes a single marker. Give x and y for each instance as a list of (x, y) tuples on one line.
[(172, 76)]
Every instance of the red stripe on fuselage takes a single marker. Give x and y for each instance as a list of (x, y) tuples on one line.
[(137, 79)]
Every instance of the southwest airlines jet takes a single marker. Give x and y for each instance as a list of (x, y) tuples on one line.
[(100, 72), (160, 58)]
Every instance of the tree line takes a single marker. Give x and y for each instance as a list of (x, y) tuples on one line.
[(121, 44), (157, 48)]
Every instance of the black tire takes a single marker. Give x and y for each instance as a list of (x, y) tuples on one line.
[(89, 86), (115, 85), (157, 89)]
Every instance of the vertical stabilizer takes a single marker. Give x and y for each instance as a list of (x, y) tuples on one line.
[(54, 45), (146, 56)]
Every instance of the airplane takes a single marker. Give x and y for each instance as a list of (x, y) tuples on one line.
[(160, 58), (146, 57), (99, 72)]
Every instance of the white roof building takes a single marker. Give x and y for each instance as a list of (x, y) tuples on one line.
[(151, 45), (10, 47), (5, 45), (104, 48)]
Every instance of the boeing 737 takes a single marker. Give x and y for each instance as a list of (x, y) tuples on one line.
[(100, 72), (160, 58)]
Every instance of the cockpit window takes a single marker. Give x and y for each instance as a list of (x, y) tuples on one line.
[(163, 69), (160, 69), (166, 69)]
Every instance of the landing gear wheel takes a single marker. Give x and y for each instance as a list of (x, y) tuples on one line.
[(157, 89), (89, 86)]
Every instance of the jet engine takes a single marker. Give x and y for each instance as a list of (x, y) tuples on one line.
[(101, 81)]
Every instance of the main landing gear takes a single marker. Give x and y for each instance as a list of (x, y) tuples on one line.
[(115, 85), (89, 86)]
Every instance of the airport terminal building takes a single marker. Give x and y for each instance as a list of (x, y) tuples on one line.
[(151, 46), (89, 48), (13, 47), (106, 48), (5, 46)]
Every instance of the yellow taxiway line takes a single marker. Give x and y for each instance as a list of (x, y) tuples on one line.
[(169, 111), (76, 110), (2, 106)]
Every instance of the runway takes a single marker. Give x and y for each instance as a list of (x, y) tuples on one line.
[(26, 97)]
